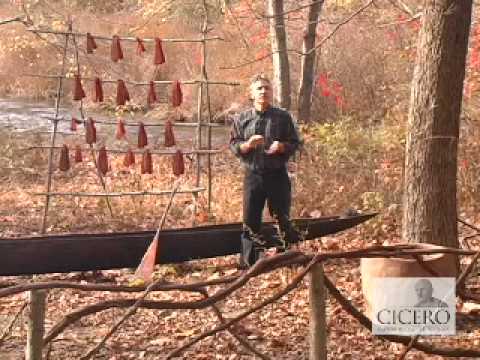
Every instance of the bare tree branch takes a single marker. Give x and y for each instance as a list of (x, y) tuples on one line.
[(235, 282), (237, 25), (9, 327), (340, 24), (399, 4), (293, 284), (16, 289), (300, 53), (395, 23), (233, 333), (15, 19), (266, 56), (264, 265), (293, 10)]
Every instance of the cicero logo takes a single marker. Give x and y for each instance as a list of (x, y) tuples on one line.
[(413, 316), (411, 306)]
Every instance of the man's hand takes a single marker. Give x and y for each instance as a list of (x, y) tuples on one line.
[(255, 140), (252, 143), (276, 148)]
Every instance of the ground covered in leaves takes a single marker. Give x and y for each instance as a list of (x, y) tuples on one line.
[(280, 330)]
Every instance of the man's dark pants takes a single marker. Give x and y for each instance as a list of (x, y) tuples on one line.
[(274, 187)]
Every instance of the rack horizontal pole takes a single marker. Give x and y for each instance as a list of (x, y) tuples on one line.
[(134, 124), (120, 194), (134, 83), (136, 151), (124, 38)]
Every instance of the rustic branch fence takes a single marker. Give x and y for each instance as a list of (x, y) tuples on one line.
[(305, 263)]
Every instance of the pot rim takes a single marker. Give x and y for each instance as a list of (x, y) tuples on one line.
[(406, 258)]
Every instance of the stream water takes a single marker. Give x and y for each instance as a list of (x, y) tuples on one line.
[(22, 115)]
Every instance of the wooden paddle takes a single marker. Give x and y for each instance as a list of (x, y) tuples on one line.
[(144, 272)]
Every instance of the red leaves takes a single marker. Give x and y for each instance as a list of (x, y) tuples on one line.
[(326, 92), (330, 88), (262, 54), (159, 56), (178, 164), (169, 136), (147, 164), (140, 46), (116, 50), (78, 154), (152, 96), (90, 132), (102, 162), (78, 92), (121, 132), (64, 159), (122, 93), (98, 90), (91, 44), (177, 96), (129, 158), (73, 124), (142, 136)]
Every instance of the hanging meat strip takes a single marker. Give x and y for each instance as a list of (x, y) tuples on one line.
[(78, 154), (91, 44), (159, 56), (152, 96), (90, 132), (64, 159), (122, 93), (121, 132), (116, 51), (177, 95), (78, 92), (98, 90), (178, 164), (73, 124), (129, 158), (142, 136), (140, 46), (169, 136), (102, 162), (147, 164)]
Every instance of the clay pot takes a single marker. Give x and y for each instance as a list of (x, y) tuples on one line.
[(442, 265)]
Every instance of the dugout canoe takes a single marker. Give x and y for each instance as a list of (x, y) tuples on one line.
[(84, 252)]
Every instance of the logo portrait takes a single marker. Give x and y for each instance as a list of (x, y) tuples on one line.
[(414, 306)]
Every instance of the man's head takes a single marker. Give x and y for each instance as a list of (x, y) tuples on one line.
[(261, 92), (424, 289)]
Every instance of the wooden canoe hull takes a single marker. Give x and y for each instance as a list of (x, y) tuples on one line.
[(84, 252)]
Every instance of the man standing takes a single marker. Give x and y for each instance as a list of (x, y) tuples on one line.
[(264, 138)]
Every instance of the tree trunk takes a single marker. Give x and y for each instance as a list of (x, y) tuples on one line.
[(318, 323), (36, 321), (307, 74), (281, 68), (430, 207)]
